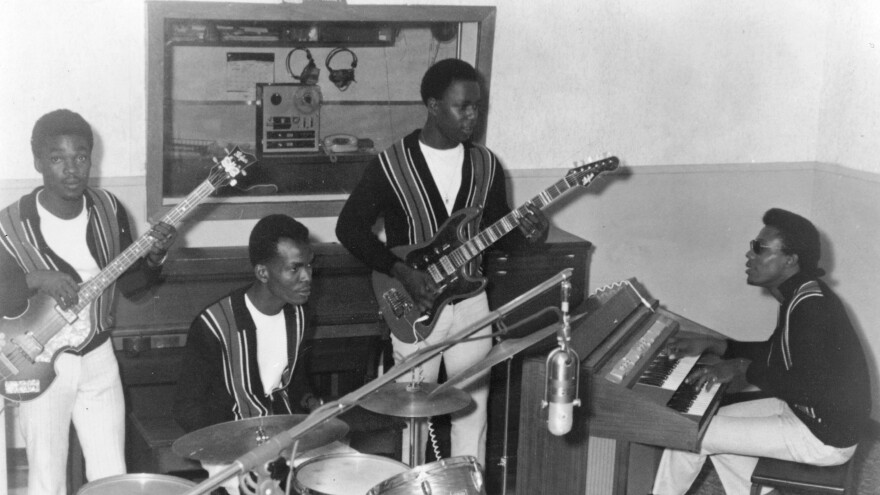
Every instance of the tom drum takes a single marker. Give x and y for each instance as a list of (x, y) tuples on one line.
[(137, 484), (344, 474), (456, 475)]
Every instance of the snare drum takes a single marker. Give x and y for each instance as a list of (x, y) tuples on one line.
[(344, 474), (137, 484), (456, 475)]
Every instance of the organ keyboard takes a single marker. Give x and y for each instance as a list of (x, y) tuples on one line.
[(637, 392), (633, 392)]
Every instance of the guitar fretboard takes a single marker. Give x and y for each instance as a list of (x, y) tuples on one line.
[(98, 284), (450, 263)]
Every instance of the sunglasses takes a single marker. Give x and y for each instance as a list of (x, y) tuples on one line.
[(757, 247)]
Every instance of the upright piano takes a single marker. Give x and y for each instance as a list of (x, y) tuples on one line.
[(630, 389)]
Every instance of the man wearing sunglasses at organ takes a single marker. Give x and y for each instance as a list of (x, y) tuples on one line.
[(811, 371)]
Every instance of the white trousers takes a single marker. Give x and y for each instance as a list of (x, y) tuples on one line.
[(87, 391), (468, 432), (736, 437)]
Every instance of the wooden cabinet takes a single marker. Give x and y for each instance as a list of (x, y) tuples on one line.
[(231, 74)]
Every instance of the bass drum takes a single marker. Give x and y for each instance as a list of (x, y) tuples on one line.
[(137, 484), (456, 475), (344, 474)]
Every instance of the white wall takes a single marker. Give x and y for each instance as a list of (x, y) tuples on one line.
[(849, 123), (720, 109)]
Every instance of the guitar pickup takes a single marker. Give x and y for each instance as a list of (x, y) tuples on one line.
[(398, 302), (28, 345)]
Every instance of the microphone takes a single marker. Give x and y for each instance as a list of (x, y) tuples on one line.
[(562, 371)]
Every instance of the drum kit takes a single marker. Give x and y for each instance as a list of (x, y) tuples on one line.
[(244, 444), (329, 474)]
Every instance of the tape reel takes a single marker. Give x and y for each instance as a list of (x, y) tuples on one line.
[(307, 99)]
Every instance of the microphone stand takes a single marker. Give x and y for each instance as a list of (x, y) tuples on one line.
[(274, 446)]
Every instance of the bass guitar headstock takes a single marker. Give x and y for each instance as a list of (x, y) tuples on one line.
[(231, 166)]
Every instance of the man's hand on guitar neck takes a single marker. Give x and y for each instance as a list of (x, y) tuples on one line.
[(59, 285), (419, 285), (164, 237), (534, 224)]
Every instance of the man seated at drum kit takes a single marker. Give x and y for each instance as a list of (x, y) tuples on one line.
[(242, 352), (242, 382)]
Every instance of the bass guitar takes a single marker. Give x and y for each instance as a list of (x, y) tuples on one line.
[(35, 338), (445, 258)]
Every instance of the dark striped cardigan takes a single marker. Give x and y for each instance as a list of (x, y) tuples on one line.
[(220, 378)]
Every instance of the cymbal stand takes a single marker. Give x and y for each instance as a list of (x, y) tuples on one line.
[(416, 447), (275, 445)]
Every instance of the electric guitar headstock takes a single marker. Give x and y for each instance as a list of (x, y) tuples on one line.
[(586, 172)]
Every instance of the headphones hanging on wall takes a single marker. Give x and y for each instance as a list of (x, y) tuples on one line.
[(342, 78), (310, 72)]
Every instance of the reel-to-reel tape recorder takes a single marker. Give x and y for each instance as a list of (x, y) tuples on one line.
[(288, 118)]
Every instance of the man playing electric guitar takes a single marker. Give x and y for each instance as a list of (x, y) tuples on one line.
[(414, 186), (53, 239)]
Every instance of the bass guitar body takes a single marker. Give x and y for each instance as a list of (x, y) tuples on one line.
[(27, 363), (400, 312)]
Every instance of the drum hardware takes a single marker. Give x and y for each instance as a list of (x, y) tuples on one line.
[(504, 350), (417, 402)]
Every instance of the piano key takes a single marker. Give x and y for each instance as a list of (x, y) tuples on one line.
[(703, 400), (689, 399), (668, 373)]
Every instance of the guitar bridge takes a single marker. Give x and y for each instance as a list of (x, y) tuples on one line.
[(399, 303)]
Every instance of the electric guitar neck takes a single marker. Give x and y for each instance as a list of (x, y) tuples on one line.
[(445, 258)]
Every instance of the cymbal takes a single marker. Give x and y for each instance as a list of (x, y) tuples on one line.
[(499, 353), (225, 442), (415, 401)]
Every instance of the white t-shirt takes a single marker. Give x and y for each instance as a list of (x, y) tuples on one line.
[(445, 166), (68, 239), (271, 346)]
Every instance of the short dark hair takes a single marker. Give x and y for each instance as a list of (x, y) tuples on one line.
[(799, 236), (441, 75), (263, 243), (61, 122)]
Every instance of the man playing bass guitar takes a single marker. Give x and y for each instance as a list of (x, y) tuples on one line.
[(61, 234), (414, 186)]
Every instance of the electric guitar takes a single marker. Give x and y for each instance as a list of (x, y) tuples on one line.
[(445, 258), (35, 338)]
